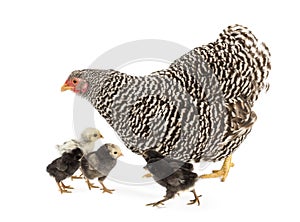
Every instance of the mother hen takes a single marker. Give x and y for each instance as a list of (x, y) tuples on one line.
[(200, 108)]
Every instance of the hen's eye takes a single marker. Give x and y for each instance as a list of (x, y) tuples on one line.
[(74, 81)]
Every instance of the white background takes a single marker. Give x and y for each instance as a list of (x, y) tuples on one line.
[(42, 42)]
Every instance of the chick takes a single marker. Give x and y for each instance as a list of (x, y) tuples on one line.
[(175, 163), (99, 164), (64, 167), (174, 175), (86, 142)]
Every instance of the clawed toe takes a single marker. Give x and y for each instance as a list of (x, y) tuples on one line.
[(223, 172), (196, 200), (76, 177), (65, 191), (63, 188), (156, 204), (147, 175), (90, 185), (105, 190)]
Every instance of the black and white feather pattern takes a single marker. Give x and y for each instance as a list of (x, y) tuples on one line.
[(200, 108)]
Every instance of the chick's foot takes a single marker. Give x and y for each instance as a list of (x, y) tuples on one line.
[(105, 189), (90, 185), (196, 200)]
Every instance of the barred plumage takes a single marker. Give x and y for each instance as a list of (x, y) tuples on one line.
[(200, 108)]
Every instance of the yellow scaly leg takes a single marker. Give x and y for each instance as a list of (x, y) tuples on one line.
[(223, 172)]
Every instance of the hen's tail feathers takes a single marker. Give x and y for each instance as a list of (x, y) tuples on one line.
[(250, 59)]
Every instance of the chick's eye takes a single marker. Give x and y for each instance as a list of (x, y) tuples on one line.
[(115, 152), (95, 135)]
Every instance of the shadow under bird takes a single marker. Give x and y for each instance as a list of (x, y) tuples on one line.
[(98, 164), (64, 167), (172, 174)]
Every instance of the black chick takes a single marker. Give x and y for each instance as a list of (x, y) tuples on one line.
[(64, 167), (174, 175)]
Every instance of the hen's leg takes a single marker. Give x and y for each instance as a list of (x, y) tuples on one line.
[(223, 172)]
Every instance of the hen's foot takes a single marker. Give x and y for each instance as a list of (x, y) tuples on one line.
[(223, 172)]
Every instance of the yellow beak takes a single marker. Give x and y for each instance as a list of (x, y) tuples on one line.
[(66, 87), (100, 135)]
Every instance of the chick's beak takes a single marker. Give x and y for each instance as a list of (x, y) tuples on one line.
[(66, 87), (100, 135), (121, 154)]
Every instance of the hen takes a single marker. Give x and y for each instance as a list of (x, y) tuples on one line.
[(200, 108)]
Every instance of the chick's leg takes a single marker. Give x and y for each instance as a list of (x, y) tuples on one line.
[(78, 177), (168, 196), (65, 186), (156, 204), (104, 188), (62, 188), (147, 175), (90, 185), (196, 200), (223, 172)]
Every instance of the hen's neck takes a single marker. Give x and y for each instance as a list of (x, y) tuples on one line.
[(102, 97)]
